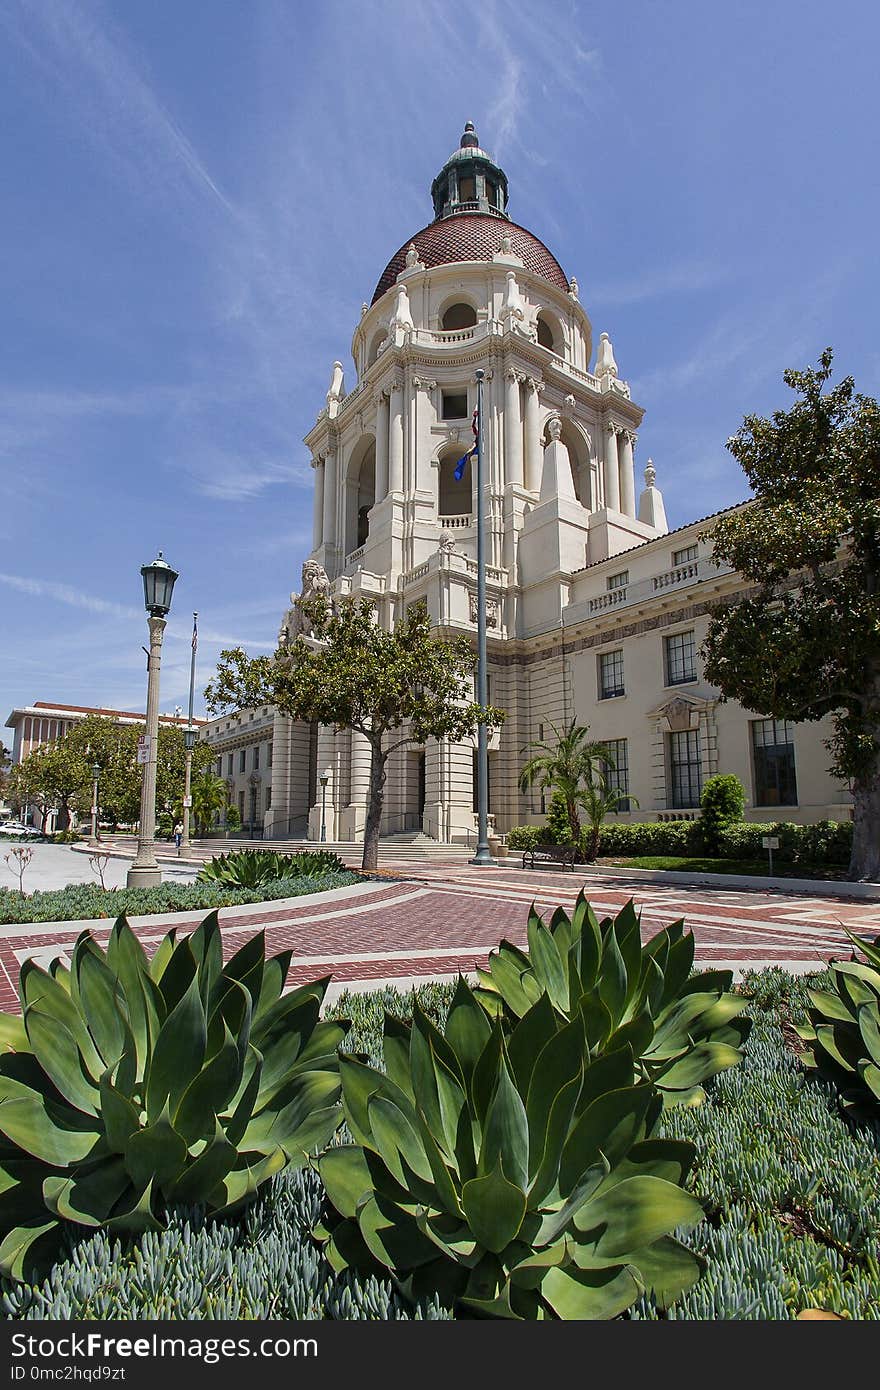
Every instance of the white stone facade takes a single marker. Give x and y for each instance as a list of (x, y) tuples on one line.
[(580, 561)]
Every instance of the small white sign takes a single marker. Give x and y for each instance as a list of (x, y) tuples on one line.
[(93, 811), (770, 841), (143, 749), (187, 802)]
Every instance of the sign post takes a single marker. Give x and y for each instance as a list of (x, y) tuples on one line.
[(143, 753), (770, 843)]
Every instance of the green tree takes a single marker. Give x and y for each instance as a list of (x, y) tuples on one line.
[(564, 767), (5, 766), (53, 775), (407, 682), (804, 642), (722, 802), (209, 795), (599, 800)]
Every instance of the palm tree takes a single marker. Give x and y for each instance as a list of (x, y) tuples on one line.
[(598, 800), (567, 767), (209, 794)]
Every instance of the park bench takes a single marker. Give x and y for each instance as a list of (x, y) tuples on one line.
[(550, 855)]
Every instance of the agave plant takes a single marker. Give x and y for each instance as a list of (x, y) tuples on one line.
[(682, 1028), (252, 868), (127, 1085), (843, 1033), (508, 1173)]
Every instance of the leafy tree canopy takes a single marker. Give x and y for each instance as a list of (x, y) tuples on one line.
[(804, 642)]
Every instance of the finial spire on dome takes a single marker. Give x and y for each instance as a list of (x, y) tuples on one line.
[(469, 139)]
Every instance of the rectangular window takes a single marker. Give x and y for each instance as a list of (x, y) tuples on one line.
[(455, 405), (685, 769), (616, 772), (257, 758), (219, 767), (617, 581), (228, 764), (241, 806), (242, 755), (611, 675), (685, 556), (773, 753), (268, 797), (681, 658), (269, 756)]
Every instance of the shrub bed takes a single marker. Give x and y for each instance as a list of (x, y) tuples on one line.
[(83, 901), (826, 842), (792, 1194)]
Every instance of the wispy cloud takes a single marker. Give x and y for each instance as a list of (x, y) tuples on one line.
[(227, 477), (687, 277), (65, 593), (85, 58)]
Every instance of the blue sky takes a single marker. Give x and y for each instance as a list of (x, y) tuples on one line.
[(197, 198)]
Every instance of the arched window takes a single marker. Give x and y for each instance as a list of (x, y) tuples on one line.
[(378, 339), (454, 498), (546, 336), (459, 316), (360, 493)]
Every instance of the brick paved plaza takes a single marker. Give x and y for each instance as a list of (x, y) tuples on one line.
[(434, 921)]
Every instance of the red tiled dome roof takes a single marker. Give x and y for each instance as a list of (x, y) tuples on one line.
[(473, 236)]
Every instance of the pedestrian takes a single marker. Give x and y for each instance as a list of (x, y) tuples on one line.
[(178, 835)]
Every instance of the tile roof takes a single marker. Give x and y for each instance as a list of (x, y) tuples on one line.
[(473, 236)]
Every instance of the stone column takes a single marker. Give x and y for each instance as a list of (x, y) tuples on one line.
[(318, 507), (513, 433), (612, 468), (627, 473), (533, 459), (361, 758), (395, 437), (381, 445), (330, 496)]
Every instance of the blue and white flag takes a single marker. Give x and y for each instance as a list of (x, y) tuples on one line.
[(460, 466)]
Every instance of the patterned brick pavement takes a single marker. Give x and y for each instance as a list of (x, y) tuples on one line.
[(439, 919)]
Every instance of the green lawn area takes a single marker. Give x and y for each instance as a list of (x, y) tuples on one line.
[(691, 864)]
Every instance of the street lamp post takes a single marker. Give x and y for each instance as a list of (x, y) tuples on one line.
[(96, 772), (482, 857), (159, 579), (324, 780), (189, 743)]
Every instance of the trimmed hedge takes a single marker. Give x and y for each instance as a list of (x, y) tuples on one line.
[(792, 1192), (83, 901), (826, 842)]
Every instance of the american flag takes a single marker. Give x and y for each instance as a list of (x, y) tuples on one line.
[(195, 641)]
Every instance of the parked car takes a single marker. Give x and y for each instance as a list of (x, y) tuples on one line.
[(17, 827)]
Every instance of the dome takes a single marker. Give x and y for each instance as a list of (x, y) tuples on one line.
[(473, 236)]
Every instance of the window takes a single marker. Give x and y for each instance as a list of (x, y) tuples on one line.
[(458, 316), (685, 556), (228, 764), (773, 752), (617, 775), (545, 334), (455, 405), (681, 658), (218, 767), (684, 765), (617, 581), (268, 797), (611, 675), (257, 758), (241, 805), (269, 755), (467, 190), (242, 755)]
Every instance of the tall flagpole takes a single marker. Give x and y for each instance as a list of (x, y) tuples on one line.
[(482, 856)]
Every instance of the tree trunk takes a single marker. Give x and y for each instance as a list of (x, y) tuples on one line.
[(574, 823), (865, 861), (375, 804), (63, 816)]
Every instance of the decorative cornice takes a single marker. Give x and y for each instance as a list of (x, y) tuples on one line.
[(423, 384)]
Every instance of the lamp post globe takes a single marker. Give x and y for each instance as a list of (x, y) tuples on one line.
[(158, 579)]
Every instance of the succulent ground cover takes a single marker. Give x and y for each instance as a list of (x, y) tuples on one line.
[(487, 1148)]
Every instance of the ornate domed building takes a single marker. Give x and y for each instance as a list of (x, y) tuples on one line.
[(593, 610)]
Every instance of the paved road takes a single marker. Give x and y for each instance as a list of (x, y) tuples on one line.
[(435, 921)]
